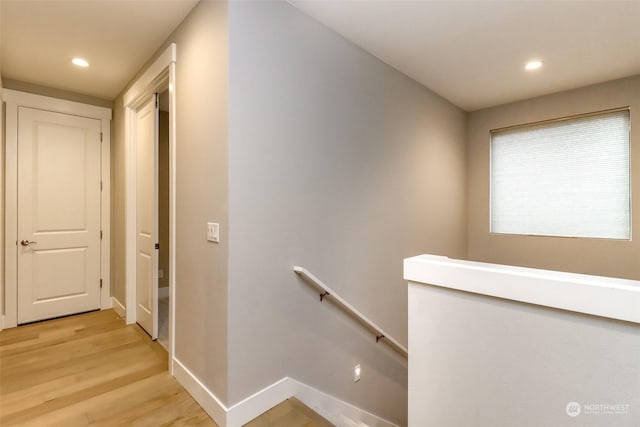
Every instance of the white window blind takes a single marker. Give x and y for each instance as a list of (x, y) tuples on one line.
[(563, 178)]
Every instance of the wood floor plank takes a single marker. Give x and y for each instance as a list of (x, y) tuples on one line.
[(15, 379), (84, 381), (93, 370), (290, 413), (79, 321), (58, 336), (48, 355), (89, 370)]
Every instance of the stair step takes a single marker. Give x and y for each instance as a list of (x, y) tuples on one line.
[(290, 413)]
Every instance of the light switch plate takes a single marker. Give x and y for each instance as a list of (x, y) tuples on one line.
[(213, 232)]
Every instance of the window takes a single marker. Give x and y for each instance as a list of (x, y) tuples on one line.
[(568, 177)]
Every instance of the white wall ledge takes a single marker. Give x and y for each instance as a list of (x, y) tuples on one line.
[(596, 295)]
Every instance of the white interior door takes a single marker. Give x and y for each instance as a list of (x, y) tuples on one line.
[(58, 214), (147, 217)]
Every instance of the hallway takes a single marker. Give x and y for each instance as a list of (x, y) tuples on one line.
[(89, 369)]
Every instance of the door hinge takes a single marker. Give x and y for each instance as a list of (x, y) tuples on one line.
[(157, 245), (100, 136), (100, 283), (100, 234), (100, 185)]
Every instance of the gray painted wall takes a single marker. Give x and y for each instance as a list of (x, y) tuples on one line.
[(605, 257), (55, 93), (483, 361), (118, 189), (201, 176), (338, 163)]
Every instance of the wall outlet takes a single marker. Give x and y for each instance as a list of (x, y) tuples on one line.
[(356, 373), (213, 232)]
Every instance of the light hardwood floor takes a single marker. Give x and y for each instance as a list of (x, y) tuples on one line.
[(89, 369), (93, 370), (290, 413)]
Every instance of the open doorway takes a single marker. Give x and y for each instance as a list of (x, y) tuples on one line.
[(152, 214), (163, 220), (142, 220)]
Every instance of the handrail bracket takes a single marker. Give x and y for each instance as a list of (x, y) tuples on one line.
[(337, 299)]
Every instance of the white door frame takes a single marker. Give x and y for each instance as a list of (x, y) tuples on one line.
[(159, 75), (14, 100)]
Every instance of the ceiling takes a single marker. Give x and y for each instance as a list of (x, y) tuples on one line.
[(473, 52), (117, 37), (469, 52)]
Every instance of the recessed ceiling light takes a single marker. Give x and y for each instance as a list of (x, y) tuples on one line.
[(533, 65), (80, 62)]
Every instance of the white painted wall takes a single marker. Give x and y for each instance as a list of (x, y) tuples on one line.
[(479, 360)]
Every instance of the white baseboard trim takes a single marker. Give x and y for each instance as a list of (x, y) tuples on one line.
[(209, 402), (119, 308), (260, 402), (336, 411), (163, 292)]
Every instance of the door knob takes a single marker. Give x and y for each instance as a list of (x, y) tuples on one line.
[(27, 243)]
